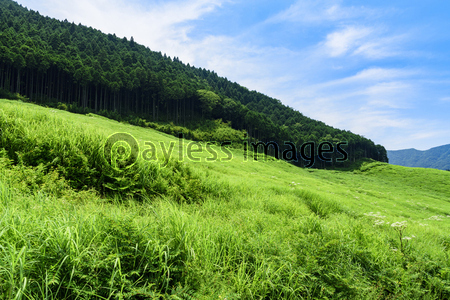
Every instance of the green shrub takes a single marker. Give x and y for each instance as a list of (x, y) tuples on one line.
[(62, 106), (5, 94)]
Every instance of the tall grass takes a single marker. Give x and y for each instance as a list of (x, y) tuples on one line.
[(233, 230), (61, 248), (76, 153)]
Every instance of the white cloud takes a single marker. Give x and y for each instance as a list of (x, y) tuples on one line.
[(359, 82), (340, 42), (319, 11), (393, 94), (382, 47), (369, 42), (377, 74)]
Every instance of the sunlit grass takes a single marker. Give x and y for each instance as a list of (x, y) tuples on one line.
[(261, 230)]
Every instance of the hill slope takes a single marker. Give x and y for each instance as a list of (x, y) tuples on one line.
[(437, 158), (203, 226), (60, 64)]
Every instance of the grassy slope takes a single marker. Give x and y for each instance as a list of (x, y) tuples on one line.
[(277, 231)]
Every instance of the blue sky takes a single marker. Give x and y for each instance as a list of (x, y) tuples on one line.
[(377, 68)]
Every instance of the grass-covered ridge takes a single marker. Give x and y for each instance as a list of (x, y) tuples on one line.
[(207, 230)]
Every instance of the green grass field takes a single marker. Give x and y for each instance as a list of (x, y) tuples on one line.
[(72, 228)]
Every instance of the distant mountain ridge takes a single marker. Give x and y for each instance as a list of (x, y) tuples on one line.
[(437, 157)]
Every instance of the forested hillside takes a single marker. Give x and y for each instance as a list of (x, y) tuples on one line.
[(436, 158), (52, 62)]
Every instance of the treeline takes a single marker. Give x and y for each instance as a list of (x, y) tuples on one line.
[(52, 61)]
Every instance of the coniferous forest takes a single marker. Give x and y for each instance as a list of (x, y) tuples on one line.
[(78, 68)]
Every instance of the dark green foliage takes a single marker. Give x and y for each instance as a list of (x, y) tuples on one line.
[(55, 63), (215, 131), (208, 101), (5, 94)]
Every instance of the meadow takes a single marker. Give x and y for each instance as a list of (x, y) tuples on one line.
[(73, 228)]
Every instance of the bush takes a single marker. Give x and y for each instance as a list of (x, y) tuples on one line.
[(61, 106), (5, 94)]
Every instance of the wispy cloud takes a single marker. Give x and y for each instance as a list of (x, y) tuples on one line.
[(368, 76), (319, 11), (340, 42), (388, 94), (350, 33), (383, 47), (372, 43)]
